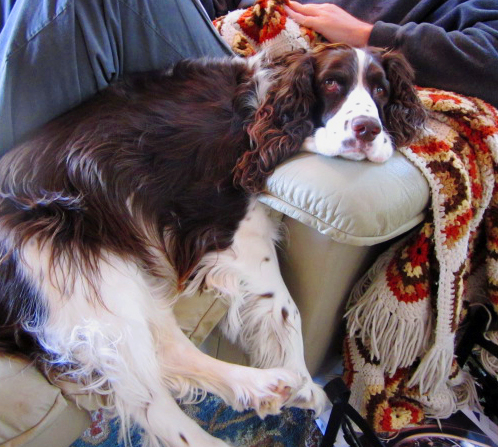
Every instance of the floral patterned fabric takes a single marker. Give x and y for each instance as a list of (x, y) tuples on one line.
[(293, 428)]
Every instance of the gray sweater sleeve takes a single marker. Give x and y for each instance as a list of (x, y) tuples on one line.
[(463, 61)]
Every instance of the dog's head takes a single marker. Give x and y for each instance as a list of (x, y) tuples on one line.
[(354, 103), (367, 103)]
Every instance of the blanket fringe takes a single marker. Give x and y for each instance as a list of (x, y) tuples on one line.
[(435, 367), (466, 392), (362, 285), (459, 393), (393, 340), (488, 360), (393, 335)]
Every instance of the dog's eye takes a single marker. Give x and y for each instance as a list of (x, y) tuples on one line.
[(331, 85), (380, 90)]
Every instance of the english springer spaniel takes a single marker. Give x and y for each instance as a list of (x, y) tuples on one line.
[(148, 191)]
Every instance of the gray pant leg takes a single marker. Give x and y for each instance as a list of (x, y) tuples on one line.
[(55, 54)]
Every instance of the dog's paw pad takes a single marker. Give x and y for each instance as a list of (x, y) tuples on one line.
[(310, 397), (284, 390), (270, 389)]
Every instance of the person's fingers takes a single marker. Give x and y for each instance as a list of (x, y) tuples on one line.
[(309, 9), (297, 17)]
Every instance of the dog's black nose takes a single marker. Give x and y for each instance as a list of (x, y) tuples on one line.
[(365, 128)]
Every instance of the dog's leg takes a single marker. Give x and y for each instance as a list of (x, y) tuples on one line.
[(262, 316), (190, 373), (100, 333), (119, 334)]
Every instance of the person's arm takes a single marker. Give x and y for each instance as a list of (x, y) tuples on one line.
[(465, 61), (461, 61)]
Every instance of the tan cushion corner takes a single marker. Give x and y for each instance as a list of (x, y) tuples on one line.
[(28, 402)]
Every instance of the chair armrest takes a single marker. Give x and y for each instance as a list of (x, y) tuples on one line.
[(337, 212), (357, 203)]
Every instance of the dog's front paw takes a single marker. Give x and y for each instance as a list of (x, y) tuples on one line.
[(310, 397), (266, 390)]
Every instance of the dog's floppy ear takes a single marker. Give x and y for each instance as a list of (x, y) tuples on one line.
[(282, 121), (404, 114)]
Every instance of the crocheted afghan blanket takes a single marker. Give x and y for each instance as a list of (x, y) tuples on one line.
[(264, 26), (404, 316)]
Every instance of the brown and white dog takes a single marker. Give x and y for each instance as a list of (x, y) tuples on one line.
[(148, 191)]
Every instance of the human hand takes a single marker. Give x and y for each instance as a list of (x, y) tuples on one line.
[(332, 22)]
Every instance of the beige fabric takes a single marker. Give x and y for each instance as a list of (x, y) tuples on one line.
[(82, 399), (29, 405), (320, 273), (198, 315), (358, 203), (216, 345), (68, 427)]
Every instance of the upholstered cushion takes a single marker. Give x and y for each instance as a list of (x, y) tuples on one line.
[(358, 203), (355, 203), (30, 408)]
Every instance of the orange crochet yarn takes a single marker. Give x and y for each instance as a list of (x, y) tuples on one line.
[(264, 25)]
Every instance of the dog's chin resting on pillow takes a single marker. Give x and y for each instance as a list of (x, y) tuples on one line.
[(148, 191)]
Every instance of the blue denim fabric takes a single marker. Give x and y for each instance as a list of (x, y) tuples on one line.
[(5, 9), (54, 54)]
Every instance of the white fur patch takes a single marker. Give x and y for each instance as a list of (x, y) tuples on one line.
[(122, 339)]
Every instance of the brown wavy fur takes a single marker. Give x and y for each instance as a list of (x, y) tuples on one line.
[(281, 123), (404, 114)]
